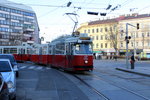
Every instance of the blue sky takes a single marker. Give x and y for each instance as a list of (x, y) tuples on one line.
[(53, 22)]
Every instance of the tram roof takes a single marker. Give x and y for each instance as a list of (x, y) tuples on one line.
[(71, 39)]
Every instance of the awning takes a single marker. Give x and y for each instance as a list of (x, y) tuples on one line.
[(97, 51)]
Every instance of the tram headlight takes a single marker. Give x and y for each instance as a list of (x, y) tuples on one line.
[(86, 62)]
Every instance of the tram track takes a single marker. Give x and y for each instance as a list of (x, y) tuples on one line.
[(109, 82), (103, 95), (92, 88), (121, 87)]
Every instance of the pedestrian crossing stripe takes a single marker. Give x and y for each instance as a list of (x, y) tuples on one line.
[(33, 67), (39, 68), (22, 67)]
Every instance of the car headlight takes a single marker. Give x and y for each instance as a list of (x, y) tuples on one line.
[(86, 62), (10, 84)]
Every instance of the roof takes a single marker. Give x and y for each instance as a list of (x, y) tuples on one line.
[(128, 17), (136, 16), (103, 21), (15, 5)]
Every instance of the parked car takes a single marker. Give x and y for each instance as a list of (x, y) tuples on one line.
[(4, 94), (12, 60), (9, 76)]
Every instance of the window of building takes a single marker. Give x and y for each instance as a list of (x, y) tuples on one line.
[(121, 44), (143, 35), (88, 30), (84, 31), (105, 45), (148, 43), (101, 37), (101, 30), (148, 34), (132, 44), (137, 44), (137, 35), (92, 30), (121, 35), (106, 37), (97, 37), (101, 45), (97, 45), (110, 28), (93, 37), (97, 30), (106, 29), (111, 45)]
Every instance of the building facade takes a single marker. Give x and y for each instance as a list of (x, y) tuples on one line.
[(109, 35), (104, 35), (18, 24), (140, 38)]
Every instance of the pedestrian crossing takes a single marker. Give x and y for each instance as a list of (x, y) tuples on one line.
[(34, 68)]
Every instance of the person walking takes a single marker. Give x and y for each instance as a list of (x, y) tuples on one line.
[(132, 61)]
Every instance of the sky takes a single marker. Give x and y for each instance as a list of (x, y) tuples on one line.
[(53, 20)]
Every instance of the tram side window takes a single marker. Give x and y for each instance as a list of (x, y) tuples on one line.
[(60, 48), (69, 49), (1, 51), (10, 50), (50, 50)]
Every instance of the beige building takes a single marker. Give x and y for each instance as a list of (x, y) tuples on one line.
[(140, 38), (110, 34), (101, 32)]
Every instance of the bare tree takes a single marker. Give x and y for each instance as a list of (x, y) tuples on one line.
[(112, 38)]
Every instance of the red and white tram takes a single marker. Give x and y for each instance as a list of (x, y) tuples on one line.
[(72, 53)]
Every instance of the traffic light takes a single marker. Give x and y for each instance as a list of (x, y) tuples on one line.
[(138, 26), (127, 38)]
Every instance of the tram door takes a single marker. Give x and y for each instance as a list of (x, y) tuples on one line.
[(69, 55)]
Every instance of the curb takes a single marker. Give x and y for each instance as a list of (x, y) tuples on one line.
[(129, 71)]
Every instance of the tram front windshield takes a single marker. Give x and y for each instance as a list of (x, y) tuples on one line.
[(83, 49)]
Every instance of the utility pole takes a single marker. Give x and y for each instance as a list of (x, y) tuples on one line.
[(127, 42), (127, 64)]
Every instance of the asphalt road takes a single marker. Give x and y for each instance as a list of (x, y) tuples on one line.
[(37, 82), (41, 83)]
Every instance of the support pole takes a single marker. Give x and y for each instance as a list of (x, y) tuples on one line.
[(127, 63)]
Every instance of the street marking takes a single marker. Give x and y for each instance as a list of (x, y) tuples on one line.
[(22, 67), (48, 68), (39, 68), (31, 67)]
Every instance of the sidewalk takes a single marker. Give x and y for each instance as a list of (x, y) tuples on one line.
[(145, 71)]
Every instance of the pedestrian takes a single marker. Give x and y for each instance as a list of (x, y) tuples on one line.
[(132, 61), (94, 55)]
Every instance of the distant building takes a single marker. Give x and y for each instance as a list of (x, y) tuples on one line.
[(18, 24), (140, 39), (100, 32)]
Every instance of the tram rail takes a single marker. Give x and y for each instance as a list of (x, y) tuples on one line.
[(92, 88), (121, 87)]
